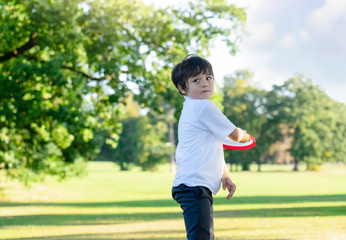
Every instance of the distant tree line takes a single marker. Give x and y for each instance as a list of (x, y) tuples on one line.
[(297, 109)]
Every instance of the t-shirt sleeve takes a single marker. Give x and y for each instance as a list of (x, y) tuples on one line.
[(213, 119)]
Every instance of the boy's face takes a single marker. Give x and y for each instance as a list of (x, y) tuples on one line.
[(199, 87)]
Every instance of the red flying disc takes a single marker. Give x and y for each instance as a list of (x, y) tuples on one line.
[(229, 144)]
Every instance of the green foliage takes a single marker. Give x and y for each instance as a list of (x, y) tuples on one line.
[(152, 144), (65, 64), (319, 123), (217, 97), (246, 105), (142, 142), (65, 69), (315, 120)]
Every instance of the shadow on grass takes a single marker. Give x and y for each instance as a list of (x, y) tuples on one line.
[(90, 237), (281, 199), (133, 216), (111, 219), (138, 235), (110, 236), (101, 237), (172, 203)]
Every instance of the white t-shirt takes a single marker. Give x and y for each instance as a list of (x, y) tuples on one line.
[(199, 155)]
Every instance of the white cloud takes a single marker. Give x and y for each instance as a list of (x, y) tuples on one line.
[(260, 33), (316, 31), (325, 27), (304, 35), (325, 19), (287, 40), (256, 60), (267, 77)]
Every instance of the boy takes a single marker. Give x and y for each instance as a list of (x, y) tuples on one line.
[(199, 154)]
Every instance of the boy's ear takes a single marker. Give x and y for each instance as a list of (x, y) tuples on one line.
[(181, 89)]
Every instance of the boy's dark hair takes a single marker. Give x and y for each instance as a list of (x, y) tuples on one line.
[(191, 66)]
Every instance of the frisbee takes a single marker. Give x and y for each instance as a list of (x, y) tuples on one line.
[(229, 144)]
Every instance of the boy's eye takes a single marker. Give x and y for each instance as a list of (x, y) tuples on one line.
[(208, 78), (196, 80)]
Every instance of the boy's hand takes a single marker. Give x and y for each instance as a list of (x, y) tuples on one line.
[(246, 137), (239, 135), (227, 183)]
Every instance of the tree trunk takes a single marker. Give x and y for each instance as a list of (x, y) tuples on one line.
[(172, 139), (295, 165), (123, 166), (245, 166)]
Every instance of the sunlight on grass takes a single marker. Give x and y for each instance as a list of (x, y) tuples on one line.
[(110, 204)]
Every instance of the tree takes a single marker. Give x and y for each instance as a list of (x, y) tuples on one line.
[(66, 67), (143, 143), (153, 147), (143, 140), (47, 126), (246, 105), (318, 122)]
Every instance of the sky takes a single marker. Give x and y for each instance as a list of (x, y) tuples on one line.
[(285, 38)]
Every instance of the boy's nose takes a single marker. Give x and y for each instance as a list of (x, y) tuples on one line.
[(204, 83)]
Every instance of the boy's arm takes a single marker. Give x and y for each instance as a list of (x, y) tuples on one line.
[(227, 182), (239, 135)]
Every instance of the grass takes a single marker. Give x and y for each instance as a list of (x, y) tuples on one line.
[(110, 204)]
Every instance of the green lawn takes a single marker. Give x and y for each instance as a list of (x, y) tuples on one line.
[(109, 204)]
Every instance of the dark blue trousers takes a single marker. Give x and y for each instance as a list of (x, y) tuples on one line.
[(197, 205)]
